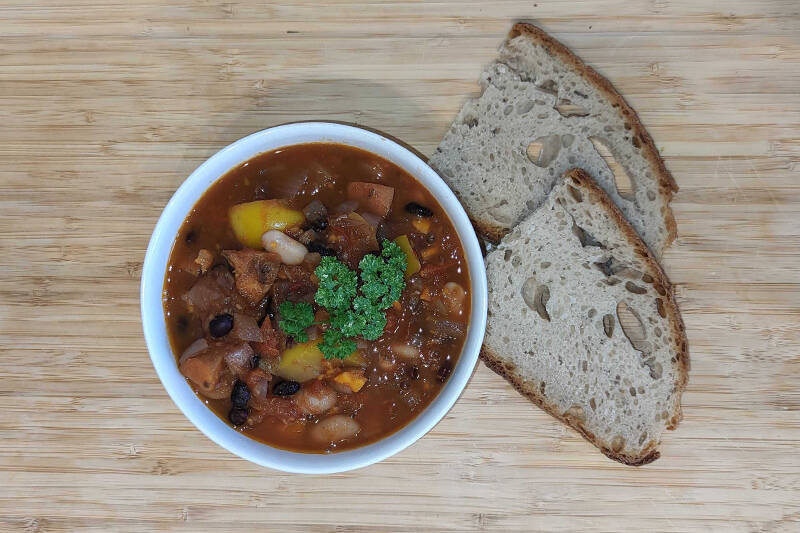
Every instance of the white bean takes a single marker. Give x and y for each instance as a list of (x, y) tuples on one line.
[(291, 251), (454, 295), (315, 398), (405, 351), (335, 428)]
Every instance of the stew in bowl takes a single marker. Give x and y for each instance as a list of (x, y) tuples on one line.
[(212, 277), (317, 297)]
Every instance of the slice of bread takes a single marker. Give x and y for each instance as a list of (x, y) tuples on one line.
[(582, 320), (542, 112)]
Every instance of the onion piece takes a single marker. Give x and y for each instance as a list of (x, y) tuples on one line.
[(193, 349), (348, 206), (237, 357), (372, 219)]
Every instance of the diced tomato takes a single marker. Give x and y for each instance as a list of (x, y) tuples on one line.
[(352, 237), (372, 197), (258, 382), (274, 342), (256, 376), (283, 409)]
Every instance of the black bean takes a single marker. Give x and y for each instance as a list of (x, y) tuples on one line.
[(240, 394), (320, 248), (420, 210), (286, 388), (220, 325), (238, 416), (255, 361), (444, 371), (321, 224), (413, 372)]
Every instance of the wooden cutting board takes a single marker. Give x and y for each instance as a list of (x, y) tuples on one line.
[(105, 107)]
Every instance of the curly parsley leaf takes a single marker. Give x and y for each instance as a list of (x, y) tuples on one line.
[(338, 285), (334, 345), (349, 322), (295, 318), (382, 277), (374, 319), (395, 255)]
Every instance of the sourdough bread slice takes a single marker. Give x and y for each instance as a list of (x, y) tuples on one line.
[(582, 320), (542, 112)]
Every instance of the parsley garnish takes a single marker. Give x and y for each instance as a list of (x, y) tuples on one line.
[(337, 284), (354, 311), (382, 277), (295, 318), (334, 345)]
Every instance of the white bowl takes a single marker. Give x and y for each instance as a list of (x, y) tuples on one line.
[(155, 265)]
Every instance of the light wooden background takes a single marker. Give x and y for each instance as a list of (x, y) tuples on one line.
[(105, 107)]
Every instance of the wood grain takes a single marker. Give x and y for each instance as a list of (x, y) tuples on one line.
[(105, 107)]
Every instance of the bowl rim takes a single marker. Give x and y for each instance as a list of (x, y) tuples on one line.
[(154, 271)]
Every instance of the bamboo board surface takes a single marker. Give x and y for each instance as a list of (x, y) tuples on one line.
[(106, 106)]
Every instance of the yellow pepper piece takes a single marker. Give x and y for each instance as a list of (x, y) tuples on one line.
[(412, 263), (301, 362), (352, 380), (252, 219)]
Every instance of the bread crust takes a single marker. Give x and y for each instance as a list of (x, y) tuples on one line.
[(495, 361), (666, 183), (493, 234), (497, 365)]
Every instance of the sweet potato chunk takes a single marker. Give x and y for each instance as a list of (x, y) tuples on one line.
[(212, 293), (205, 369), (351, 379)]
